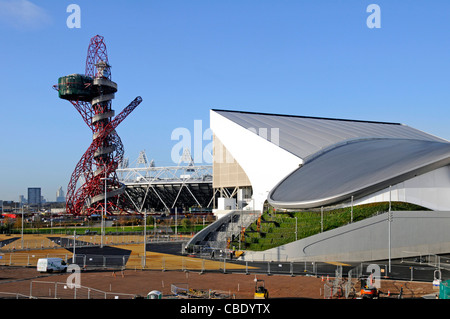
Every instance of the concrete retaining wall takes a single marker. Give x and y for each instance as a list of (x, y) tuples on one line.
[(412, 233)]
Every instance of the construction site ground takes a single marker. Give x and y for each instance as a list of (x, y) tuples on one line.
[(136, 281), (241, 286)]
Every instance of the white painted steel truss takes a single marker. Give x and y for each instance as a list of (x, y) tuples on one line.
[(167, 187)]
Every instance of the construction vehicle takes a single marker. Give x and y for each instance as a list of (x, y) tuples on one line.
[(260, 290), (367, 289), (369, 292)]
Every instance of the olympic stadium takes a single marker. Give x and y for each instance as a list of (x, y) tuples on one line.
[(386, 185)]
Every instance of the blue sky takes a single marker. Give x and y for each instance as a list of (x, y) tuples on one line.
[(312, 58)]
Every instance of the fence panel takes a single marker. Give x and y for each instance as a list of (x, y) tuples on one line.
[(58, 290), (327, 292), (13, 295), (27, 260), (35, 242)]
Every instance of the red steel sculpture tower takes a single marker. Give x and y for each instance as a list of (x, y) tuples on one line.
[(94, 186)]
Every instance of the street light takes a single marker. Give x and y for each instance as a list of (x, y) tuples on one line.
[(390, 217), (176, 221), (296, 228), (145, 238), (22, 225), (104, 211)]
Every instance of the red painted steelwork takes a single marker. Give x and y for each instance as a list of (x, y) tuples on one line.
[(86, 189)]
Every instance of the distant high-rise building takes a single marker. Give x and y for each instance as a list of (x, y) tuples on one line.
[(60, 197), (34, 196), (22, 199)]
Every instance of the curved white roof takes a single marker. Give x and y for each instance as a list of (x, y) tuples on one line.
[(357, 168), (301, 140), (303, 136)]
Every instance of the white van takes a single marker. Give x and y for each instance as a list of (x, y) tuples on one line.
[(51, 265)]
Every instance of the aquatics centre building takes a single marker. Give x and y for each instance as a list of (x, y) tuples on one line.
[(291, 162)]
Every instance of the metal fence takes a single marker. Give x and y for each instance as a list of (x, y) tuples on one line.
[(58, 290), (40, 242), (27, 260), (434, 267), (167, 262), (345, 278), (182, 290), (429, 268), (439, 262), (14, 295)]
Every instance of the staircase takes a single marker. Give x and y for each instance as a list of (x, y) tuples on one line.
[(215, 237)]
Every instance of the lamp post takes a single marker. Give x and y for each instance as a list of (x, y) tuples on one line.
[(351, 212), (176, 221), (389, 228), (296, 228), (145, 238), (321, 219), (74, 244), (104, 211), (22, 225)]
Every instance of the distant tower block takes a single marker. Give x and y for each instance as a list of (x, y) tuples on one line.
[(60, 197), (91, 94)]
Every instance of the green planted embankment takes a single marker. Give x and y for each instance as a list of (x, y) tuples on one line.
[(278, 228)]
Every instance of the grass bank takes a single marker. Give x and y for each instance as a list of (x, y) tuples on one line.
[(278, 228)]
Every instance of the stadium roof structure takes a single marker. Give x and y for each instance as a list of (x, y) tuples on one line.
[(304, 136), (304, 162), (358, 168), (163, 188)]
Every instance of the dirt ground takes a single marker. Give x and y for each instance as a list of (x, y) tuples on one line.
[(17, 279), (141, 282)]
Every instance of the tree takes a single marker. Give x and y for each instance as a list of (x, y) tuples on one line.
[(186, 223)]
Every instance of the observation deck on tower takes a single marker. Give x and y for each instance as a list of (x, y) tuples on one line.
[(94, 187)]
